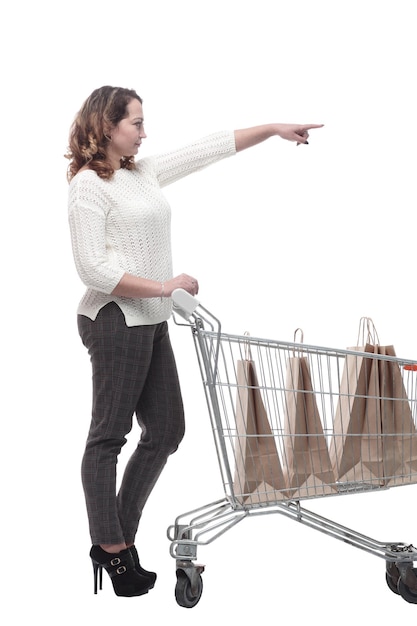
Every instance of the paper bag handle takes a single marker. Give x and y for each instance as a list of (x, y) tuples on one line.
[(300, 331), (367, 332), (248, 355)]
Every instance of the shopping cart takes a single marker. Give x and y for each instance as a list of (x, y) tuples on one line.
[(293, 422)]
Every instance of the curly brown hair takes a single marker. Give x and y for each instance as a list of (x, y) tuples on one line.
[(88, 139)]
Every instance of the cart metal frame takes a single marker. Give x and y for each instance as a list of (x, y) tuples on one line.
[(201, 526)]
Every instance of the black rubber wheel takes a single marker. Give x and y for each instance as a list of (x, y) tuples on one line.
[(183, 593), (409, 595), (392, 583)]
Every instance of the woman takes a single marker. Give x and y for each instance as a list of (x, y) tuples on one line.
[(120, 229)]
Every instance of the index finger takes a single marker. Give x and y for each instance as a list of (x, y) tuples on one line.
[(310, 126)]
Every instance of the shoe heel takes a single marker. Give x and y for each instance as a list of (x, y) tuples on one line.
[(98, 575)]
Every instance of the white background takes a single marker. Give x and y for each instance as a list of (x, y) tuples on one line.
[(279, 237)]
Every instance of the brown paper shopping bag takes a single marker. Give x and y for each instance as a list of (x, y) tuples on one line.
[(397, 424), (356, 446), (375, 438), (258, 473), (308, 467)]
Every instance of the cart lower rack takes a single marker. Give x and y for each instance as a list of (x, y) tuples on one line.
[(294, 422)]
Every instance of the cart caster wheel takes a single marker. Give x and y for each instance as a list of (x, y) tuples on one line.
[(184, 594), (392, 576), (392, 583), (408, 594)]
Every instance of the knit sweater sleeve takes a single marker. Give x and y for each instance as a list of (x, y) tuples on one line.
[(172, 166), (88, 207)]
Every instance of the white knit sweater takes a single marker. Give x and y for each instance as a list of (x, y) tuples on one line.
[(124, 225)]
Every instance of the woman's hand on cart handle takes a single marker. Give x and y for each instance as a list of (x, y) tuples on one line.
[(183, 281)]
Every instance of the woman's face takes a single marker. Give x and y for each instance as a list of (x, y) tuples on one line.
[(127, 136)]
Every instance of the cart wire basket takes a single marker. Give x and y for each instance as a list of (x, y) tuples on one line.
[(294, 422)]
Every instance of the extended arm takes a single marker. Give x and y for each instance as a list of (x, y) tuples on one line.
[(248, 137), (132, 286)]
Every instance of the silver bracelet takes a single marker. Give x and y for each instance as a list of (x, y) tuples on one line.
[(162, 290)]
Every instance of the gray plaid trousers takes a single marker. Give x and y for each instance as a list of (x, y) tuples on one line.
[(134, 372)]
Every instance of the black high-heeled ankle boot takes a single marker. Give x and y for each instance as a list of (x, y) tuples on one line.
[(126, 580), (151, 576)]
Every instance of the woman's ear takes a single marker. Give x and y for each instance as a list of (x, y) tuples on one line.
[(108, 129)]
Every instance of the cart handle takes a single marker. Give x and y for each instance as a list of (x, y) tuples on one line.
[(184, 303)]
